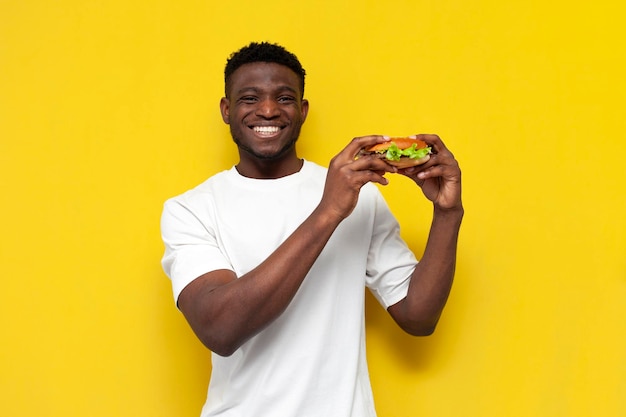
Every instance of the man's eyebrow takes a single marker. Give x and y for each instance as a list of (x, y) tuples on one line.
[(287, 88), (248, 90)]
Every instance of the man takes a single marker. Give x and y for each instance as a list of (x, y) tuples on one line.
[(270, 259)]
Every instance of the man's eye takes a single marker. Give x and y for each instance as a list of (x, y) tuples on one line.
[(248, 99), (286, 99)]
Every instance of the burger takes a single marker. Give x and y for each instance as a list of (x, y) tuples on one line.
[(401, 152)]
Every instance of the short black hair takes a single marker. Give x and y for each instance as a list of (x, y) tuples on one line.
[(263, 52)]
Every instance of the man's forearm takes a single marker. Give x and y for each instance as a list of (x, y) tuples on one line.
[(431, 281), (228, 315)]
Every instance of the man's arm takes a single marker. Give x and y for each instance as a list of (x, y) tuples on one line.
[(225, 310), (440, 181)]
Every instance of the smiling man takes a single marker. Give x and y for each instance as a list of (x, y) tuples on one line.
[(265, 109), (269, 260)]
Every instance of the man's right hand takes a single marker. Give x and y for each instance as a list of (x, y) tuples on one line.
[(347, 174)]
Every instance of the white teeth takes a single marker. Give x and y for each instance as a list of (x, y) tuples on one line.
[(266, 130)]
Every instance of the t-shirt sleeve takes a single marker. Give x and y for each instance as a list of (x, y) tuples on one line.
[(390, 262), (191, 244)]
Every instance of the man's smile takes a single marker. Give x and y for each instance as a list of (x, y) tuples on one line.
[(266, 131)]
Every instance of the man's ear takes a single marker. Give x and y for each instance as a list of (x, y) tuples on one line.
[(225, 109), (305, 109)]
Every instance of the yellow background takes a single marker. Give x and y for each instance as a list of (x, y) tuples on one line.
[(109, 107)]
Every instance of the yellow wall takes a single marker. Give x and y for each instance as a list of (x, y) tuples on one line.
[(108, 108)]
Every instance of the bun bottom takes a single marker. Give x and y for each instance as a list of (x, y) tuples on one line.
[(405, 162)]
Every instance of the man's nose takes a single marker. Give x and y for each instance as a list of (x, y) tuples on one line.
[(268, 108)]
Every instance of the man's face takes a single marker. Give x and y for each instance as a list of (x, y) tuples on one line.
[(264, 109)]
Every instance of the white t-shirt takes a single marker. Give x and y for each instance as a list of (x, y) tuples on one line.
[(309, 362)]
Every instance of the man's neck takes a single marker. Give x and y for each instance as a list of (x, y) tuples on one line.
[(265, 170)]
